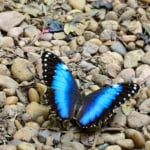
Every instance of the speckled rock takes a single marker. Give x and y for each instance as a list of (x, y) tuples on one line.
[(26, 133), (7, 82), (137, 120), (23, 67), (25, 146), (132, 58), (126, 143), (113, 138), (35, 110), (110, 24), (144, 106), (15, 32), (136, 136), (6, 42), (127, 74), (113, 147), (6, 21), (146, 58), (4, 70), (73, 146), (78, 4)]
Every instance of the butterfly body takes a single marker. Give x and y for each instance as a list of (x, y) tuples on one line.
[(65, 99)]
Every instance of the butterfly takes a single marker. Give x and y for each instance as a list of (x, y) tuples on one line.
[(64, 97)]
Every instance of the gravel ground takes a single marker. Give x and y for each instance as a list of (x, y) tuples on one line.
[(102, 42)]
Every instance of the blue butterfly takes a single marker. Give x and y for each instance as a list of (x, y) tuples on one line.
[(64, 97)]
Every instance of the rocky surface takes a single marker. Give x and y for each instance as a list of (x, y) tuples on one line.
[(102, 42)]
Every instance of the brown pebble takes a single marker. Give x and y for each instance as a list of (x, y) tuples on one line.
[(113, 147), (33, 95), (147, 145), (126, 143), (11, 100)]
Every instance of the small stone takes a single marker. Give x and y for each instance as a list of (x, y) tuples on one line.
[(137, 120), (25, 146), (145, 106), (93, 25), (132, 3), (23, 67), (4, 70), (147, 145), (2, 98), (67, 137), (75, 58), (11, 100), (46, 36), (31, 31), (59, 42), (119, 120), (96, 41), (118, 47), (72, 146), (80, 40), (146, 58), (89, 49), (111, 15), (78, 4), (136, 136), (132, 58), (36, 110), (103, 49), (59, 36), (15, 31), (129, 38), (86, 66), (126, 143), (8, 147), (106, 34), (128, 14), (7, 82), (6, 42), (26, 133), (113, 138), (10, 92), (33, 95), (127, 74), (140, 43), (6, 21), (43, 44), (131, 46), (110, 24), (113, 147)]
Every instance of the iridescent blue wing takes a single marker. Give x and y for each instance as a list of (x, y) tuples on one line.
[(62, 92), (99, 105)]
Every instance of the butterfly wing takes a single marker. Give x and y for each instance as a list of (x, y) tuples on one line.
[(99, 105), (62, 92)]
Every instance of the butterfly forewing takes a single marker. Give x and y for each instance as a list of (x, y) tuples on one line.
[(62, 92), (100, 104)]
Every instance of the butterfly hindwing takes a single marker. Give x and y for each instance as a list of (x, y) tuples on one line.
[(100, 104), (62, 92)]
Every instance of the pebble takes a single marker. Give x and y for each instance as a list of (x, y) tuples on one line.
[(113, 147), (15, 32), (80, 40), (131, 46), (78, 4), (146, 58), (127, 74), (4, 70), (11, 100), (7, 82), (132, 58), (59, 36), (136, 136), (132, 3), (2, 98), (36, 110), (25, 146), (33, 95), (144, 106), (106, 34), (110, 24), (111, 15), (89, 49), (118, 47), (6, 21), (126, 143), (93, 25), (72, 146), (25, 133), (6, 42), (46, 36), (129, 38), (147, 145), (23, 67), (128, 14), (59, 42), (31, 31), (137, 120), (86, 66), (44, 44), (8, 147), (103, 49), (119, 120), (113, 138)]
